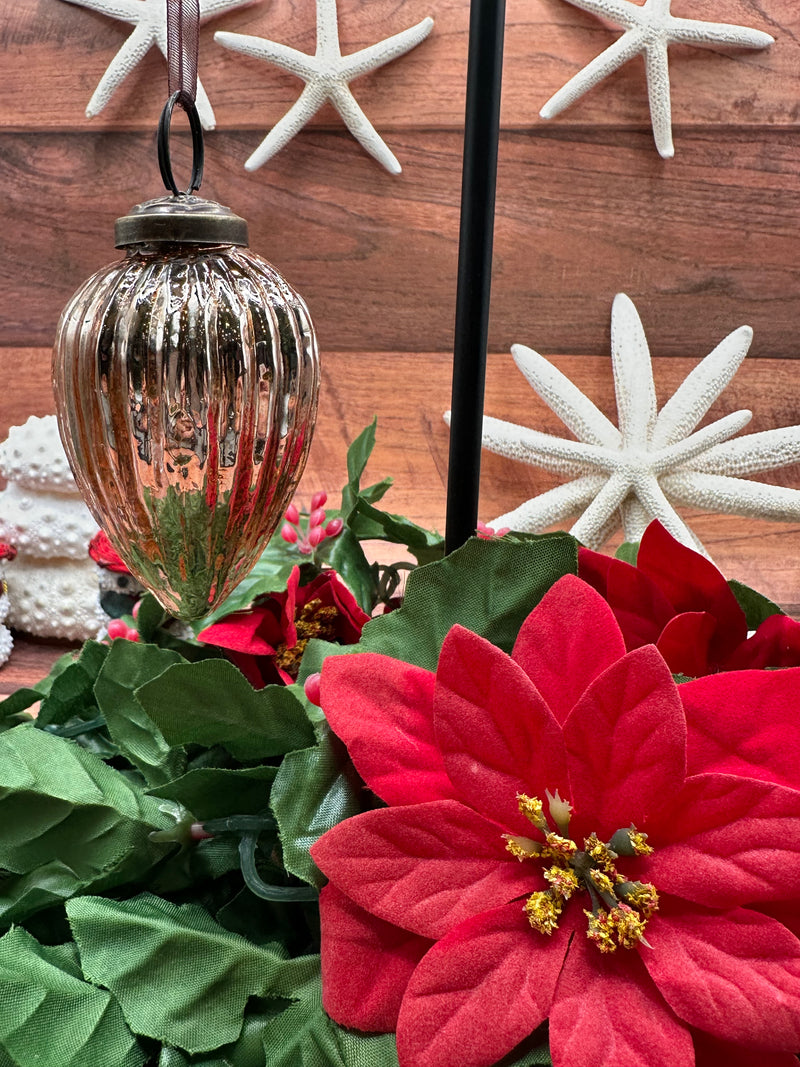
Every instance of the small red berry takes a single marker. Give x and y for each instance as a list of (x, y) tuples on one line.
[(132, 635), (289, 533), (136, 608), (312, 688), (318, 500), (334, 527), (316, 518), (316, 536), (292, 514), (117, 628)]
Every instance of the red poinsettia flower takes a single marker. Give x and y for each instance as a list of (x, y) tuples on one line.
[(677, 600), (267, 641), (566, 838), (105, 555)]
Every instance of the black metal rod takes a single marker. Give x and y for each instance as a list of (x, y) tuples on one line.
[(479, 180)]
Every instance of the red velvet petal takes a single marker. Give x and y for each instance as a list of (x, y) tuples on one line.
[(480, 991), (569, 638), (785, 911), (497, 736), (735, 974), (640, 608), (776, 643), (608, 1013), (692, 583), (382, 709), (745, 723), (366, 963), (685, 643), (736, 841), (424, 867), (711, 1052), (626, 741), (243, 631)]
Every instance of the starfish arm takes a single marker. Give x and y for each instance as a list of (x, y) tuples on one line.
[(204, 109), (657, 505), (554, 506), (698, 391), (633, 374), (562, 396), (623, 49), (385, 51), (705, 438), (753, 453), (734, 496), (556, 454), (136, 46), (361, 128), (304, 108), (657, 69), (289, 59), (125, 10), (621, 12), (590, 527), (709, 34)]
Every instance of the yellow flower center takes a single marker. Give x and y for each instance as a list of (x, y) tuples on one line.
[(619, 908), (313, 620)]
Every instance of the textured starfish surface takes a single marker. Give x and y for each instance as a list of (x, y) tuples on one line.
[(654, 460), (327, 75), (149, 19), (649, 30)]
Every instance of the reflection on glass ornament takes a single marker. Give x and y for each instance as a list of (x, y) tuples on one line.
[(186, 380)]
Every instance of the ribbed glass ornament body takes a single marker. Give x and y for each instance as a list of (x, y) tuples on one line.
[(186, 381)]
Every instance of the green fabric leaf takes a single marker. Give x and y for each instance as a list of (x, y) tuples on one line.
[(628, 552), (13, 707), (212, 703), (488, 586), (70, 822), (71, 693), (346, 556), (178, 975), (128, 666), (756, 606), (357, 456), (269, 575), (314, 790), (426, 545), (214, 792), (373, 493), (51, 1017)]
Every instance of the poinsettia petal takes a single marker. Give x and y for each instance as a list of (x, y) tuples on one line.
[(776, 643), (692, 583), (745, 723), (256, 632), (424, 867), (734, 840), (382, 709), (480, 990), (640, 608), (711, 1052), (497, 735), (366, 963), (608, 1013), (785, 911), (685, 643), (569, 638), (626, 743), (735, 974)]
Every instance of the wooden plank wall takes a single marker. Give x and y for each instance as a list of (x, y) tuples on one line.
[(586, 208)]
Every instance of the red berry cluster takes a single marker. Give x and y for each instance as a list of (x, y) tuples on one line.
[(119, 628), (316, 530)]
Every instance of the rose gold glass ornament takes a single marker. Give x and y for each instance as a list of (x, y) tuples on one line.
[(186, 379)]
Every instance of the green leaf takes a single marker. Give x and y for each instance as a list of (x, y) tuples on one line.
[(50, 1016), (211, 702), (346, 556), (373, 493), (70, 823), (214, 792), (357, 456), (314, 790), (628, 552), (270, 575), (127, 667), (71, 694), (756, 606), (13, 707), (534, 1051), (179, 976), (151, 618), (488, 586)]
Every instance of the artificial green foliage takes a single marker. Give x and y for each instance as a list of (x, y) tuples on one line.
[(212, 703), (214, 792), (756, 606), (71, 693), (628, 552), (315, 788), (178, 975), (488, 586), (128, 666), (70, 823), (51, 1017)]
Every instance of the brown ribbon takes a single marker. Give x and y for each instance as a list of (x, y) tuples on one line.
[(183, 29)]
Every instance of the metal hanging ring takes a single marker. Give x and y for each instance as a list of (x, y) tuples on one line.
[(164, 161)]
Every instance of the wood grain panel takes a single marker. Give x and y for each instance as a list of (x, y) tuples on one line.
[(547, 41), (31, 659), (409, 393), (702, 246)]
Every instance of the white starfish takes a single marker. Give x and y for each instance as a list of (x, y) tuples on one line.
[(149, 17), (649, 29), (327, 75), (636, 472)]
